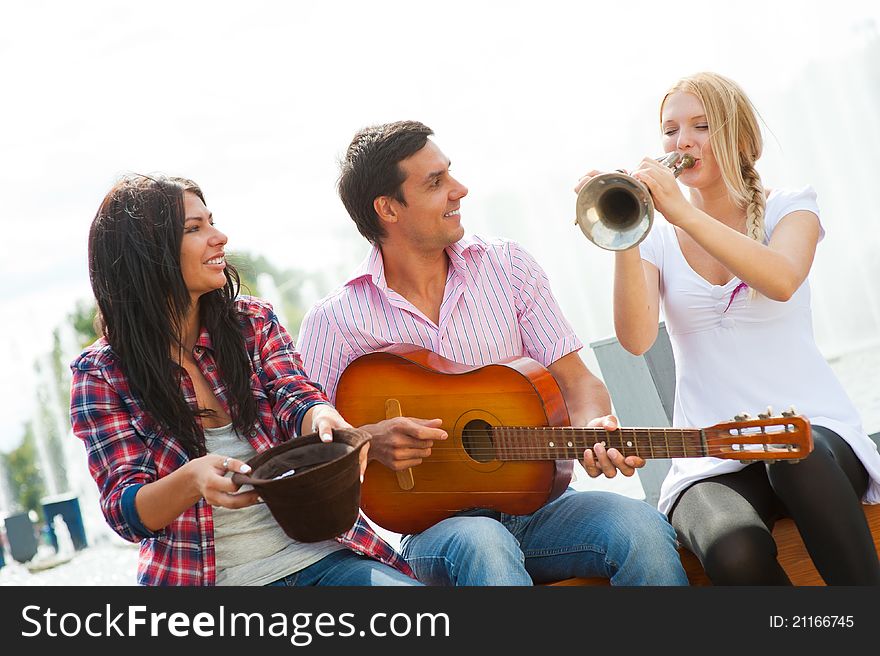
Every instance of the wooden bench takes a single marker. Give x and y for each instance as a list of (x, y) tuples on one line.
[(793, 555)]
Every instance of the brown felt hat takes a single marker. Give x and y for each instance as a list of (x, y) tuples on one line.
[(321, 498)]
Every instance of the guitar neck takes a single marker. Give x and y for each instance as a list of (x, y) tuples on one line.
[(564, 443)]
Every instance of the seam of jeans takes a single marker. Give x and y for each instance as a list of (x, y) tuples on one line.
[(611, 566), (450, 564), (559, 551)]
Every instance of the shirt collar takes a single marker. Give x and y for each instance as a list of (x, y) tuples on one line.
[(373, 266), (467, 245), (204, 339)]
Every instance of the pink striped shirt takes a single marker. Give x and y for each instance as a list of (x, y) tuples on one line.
[(497, 304)]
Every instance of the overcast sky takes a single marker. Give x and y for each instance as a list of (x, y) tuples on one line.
[(257, 100)]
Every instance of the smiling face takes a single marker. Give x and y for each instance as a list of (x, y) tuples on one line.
[(430, 217), (202, 260), (686, 130)]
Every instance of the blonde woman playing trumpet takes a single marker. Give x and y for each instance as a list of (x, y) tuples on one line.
[(730, 267)]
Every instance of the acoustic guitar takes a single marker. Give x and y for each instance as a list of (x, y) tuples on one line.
[(510, 445)]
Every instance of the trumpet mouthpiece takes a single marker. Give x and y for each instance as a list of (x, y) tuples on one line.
[(669, 159), (685, 162)]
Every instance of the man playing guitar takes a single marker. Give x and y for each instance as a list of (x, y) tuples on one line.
[(474, 301)]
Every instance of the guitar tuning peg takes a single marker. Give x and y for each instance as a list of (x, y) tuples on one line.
[(791, 412), (766, 414), (743, 416)]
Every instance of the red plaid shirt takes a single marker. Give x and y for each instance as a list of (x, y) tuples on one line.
[(126, 447)]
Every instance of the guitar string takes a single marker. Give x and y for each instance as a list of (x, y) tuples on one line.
[(744, 456), (756, 452), (630, 450), (490, 454), (696, 443)]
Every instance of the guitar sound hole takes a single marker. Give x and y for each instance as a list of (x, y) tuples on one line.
[(476, 438)]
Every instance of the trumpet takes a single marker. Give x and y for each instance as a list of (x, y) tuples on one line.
[(615, 211)]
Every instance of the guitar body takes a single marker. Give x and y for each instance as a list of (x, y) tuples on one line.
[(461, 471), (511, 446)]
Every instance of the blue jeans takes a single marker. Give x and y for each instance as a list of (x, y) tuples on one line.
[(579, 534), (346, 567)]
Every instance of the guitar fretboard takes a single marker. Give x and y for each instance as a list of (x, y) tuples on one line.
[(563, 443)]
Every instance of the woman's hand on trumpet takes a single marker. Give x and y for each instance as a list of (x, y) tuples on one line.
[(665, 192), (584, 179)]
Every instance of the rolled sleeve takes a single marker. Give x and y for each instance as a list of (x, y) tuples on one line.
[(130, 513), (118, 459)]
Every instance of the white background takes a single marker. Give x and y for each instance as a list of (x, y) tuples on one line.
[(257, 100)]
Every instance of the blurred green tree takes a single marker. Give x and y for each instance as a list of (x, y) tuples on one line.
[(83, 321), (289, 284), (23, 474)]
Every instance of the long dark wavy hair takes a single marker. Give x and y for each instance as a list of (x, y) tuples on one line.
[(134, 268)]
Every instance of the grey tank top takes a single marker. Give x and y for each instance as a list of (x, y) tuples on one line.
[(249, 546)]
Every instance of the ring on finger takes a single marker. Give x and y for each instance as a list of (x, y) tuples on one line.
[(226, 463)]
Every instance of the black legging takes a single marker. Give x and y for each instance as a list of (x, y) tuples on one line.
[(727, 520)]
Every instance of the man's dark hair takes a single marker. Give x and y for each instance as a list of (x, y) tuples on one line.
[(371, 168)]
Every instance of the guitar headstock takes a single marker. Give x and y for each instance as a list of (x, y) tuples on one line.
[(767, 438)]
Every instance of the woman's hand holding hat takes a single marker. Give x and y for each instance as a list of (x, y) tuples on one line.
[(324, 418), (208, 475)]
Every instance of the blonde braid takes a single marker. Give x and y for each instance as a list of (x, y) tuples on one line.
[(755, 205)]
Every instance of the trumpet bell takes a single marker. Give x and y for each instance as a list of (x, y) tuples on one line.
[(614, 211)]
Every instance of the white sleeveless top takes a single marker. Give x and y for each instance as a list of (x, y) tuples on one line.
[(742, 358)]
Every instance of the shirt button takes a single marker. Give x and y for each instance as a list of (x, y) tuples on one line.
[(253, 433), (210, 367), (727, 322), (197, 349)]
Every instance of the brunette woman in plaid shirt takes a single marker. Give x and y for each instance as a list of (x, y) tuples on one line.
[(188, 382)]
